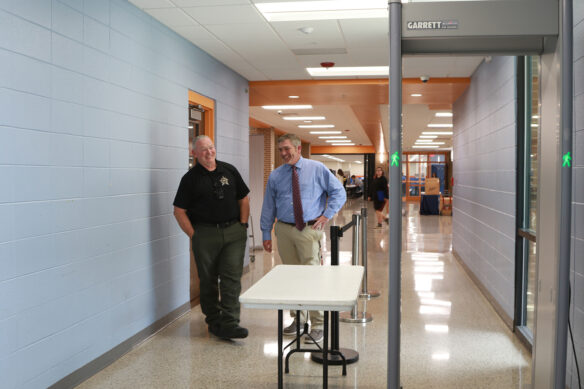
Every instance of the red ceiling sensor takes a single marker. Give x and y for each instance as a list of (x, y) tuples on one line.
[(327, 65)]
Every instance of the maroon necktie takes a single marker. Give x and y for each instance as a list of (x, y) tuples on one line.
[(296, 200)]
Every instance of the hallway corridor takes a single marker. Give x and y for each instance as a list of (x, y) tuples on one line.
[(451, 336)]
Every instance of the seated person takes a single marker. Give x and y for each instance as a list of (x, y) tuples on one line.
[(358, 185)]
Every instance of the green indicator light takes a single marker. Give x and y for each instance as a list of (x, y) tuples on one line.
[(395, 159), (567, 160)]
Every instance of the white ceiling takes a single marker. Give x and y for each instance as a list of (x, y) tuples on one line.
[(236, 34)]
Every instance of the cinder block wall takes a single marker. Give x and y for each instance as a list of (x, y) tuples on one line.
[(93, 142), (484, 148)]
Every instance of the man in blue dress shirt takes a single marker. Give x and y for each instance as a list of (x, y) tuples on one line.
[(322, 196)]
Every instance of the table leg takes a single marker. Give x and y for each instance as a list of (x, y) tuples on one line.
[(325, 351), (280, 352)]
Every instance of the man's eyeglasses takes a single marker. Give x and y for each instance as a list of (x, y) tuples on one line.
[(218, 190)]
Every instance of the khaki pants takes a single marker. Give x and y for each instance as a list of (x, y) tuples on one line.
[(300, 248)]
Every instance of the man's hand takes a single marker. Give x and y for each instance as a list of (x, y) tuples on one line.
[(320, 223), (268, 245)]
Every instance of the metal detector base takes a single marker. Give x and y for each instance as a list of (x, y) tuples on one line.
[(346, 317), (351, 356), (369, 295)]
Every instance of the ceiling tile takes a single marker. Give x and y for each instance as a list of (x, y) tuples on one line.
[(326, 34), (365, 33), (152, 3), (246, 70), (241, 14), (172, 17)]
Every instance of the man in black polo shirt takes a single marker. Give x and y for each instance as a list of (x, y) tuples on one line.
[(212, 208)]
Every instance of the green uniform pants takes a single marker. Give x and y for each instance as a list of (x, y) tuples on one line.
[(219, 256)]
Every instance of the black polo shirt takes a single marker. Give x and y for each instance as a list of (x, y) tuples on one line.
[(211, 196)]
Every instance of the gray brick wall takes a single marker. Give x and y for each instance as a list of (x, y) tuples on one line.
[(93, 143), (484, 149)]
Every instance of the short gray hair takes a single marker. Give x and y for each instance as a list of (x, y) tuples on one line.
[(293, 138), (199, 137)]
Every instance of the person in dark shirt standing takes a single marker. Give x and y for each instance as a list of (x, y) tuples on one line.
[(212, 207), (380, 194)]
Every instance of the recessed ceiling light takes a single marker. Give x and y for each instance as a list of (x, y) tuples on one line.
[(358, 162), (322, 10), (440, 125), (275, 107), (325, 132), (424, 143), (424, 140), (444, 114), (333, 137), (303, 117), (338, 141), (425, 147), (316, 126), (534, 125), (436, 132), (293, 97), (342, 144), (429, 136), (416, 95), (349, 71)]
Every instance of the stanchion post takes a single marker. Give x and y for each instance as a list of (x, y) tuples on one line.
[(354, 316), (364, 292)]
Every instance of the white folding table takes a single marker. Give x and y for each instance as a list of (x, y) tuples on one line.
[(323, 288)]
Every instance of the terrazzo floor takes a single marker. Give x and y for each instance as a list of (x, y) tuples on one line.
[(451, 336)]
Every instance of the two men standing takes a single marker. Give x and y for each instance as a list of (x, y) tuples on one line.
[(303, 195)]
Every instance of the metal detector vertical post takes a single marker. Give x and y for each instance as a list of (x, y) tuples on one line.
[(563, 296), (395, 202)]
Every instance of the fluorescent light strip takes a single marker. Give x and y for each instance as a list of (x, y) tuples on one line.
[(424, 140), (333, 137), (274, 107), (444, 114), (293, 97), (342, 144), (440, 125), (428, 143), (425, 147), (416, 95), (303, 117), (437, 132), (316, 126), (325, 132), (349, 71), (338, 141), (429, 136), (323, 10)]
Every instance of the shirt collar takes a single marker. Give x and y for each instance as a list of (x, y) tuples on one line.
[(299, 163)]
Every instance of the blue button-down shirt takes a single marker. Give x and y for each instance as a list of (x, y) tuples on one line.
[(317, 184)]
